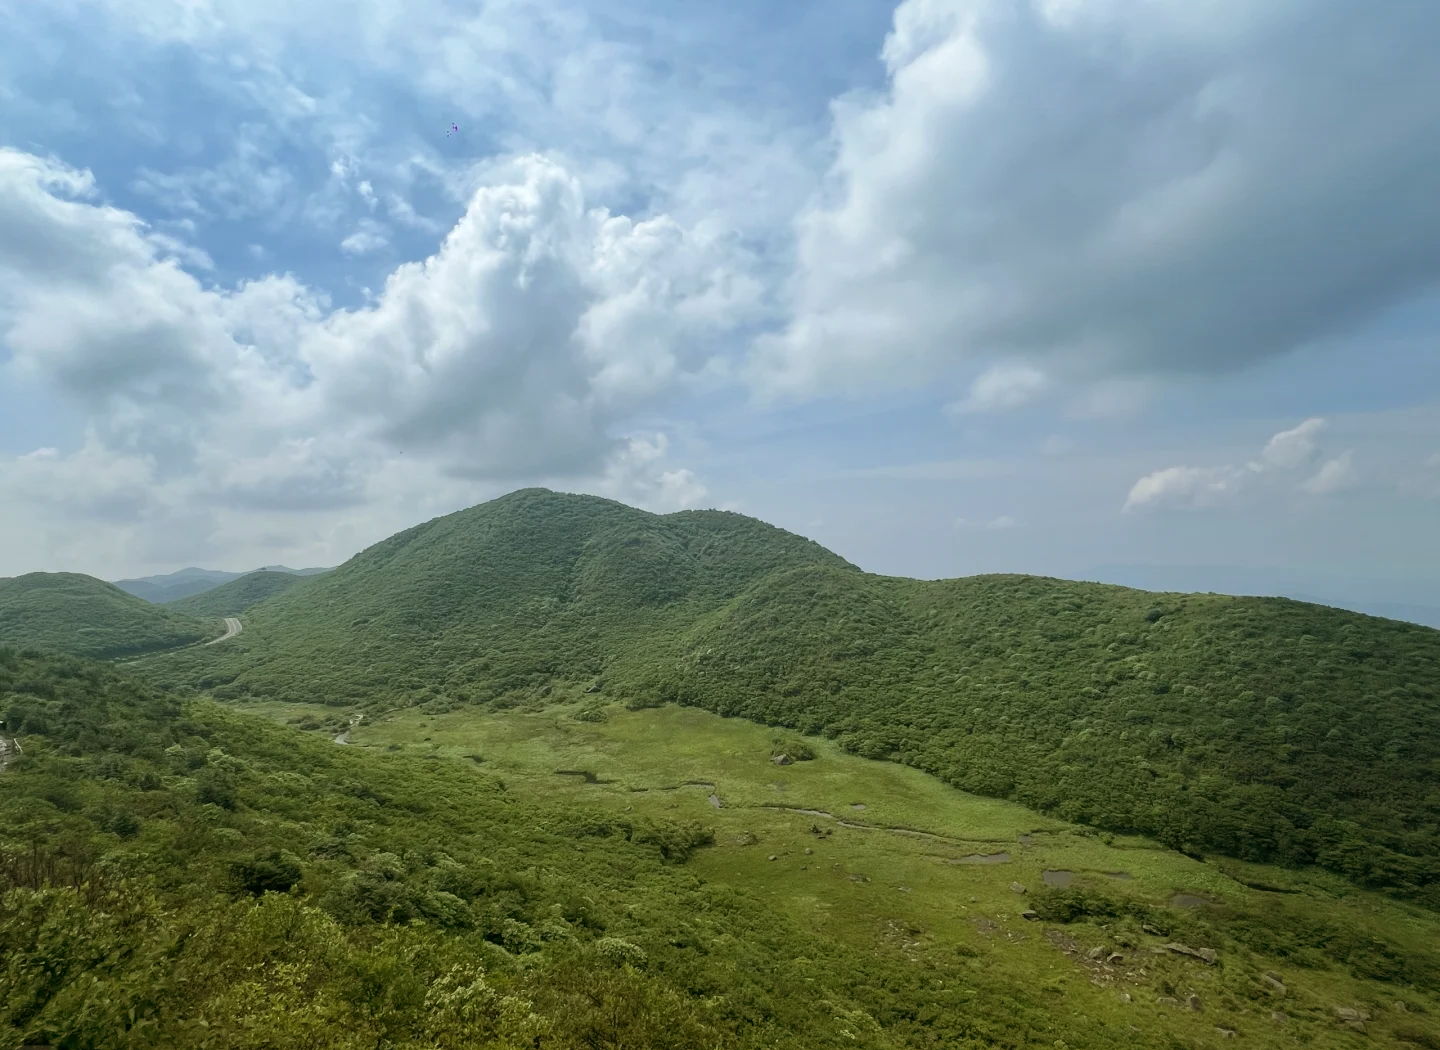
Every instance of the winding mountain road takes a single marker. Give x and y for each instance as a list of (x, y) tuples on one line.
[(232, 628)]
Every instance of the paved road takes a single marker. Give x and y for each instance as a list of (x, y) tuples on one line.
[(232, 628)]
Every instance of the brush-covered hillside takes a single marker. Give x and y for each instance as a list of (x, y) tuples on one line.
[(1265, 729), (174, 873), (235, 597), (179, 875), (69, 613)]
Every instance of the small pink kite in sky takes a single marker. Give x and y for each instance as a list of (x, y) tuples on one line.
[(454, 130)]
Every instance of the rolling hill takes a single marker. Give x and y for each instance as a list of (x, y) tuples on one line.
[(1264, 729), (236, 596), (80, 615)]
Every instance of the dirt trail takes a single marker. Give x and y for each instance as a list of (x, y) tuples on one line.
[(344, 737), (9, 748)]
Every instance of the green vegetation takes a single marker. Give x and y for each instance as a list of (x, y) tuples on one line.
[(70, 613), (1263, 729), (177, 874), (235, 597)]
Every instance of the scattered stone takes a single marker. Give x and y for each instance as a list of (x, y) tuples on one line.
[(1165, 1000), (1207, 954), (1349, 1013), (1095, 953), (808, 851), (1400, 1005), (1150, 930), (1225, 1033), (1015, 887), (1271, 978), (782, 760), (1359, 1026), (1125, 997), (1029, 915), (1114, 958), (1192, 1002), (1278, 1017), (857, 877), (772, 857)]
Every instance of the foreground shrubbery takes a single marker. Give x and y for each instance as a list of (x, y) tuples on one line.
[(177, 875)]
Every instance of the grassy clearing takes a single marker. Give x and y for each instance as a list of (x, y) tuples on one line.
[(883, 891)]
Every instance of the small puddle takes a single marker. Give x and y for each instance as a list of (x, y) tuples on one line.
[(1057, 879), (590, 778), (1190, 900), (981, 858)]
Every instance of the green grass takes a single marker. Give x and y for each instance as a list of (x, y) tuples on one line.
[(237, 596), (657, 763), (70, 613), (1262, 729)]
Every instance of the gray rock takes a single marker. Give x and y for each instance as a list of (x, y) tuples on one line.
[(1165, 1000), (1113, 958), (782, 760), (1207, 954), (772, 857), (1349, 1013), (1095, 953), (1278, 1017), (1150, 930), (1225, 1033), (1029, 915), (1192, 1002), (1015, 887), (1271, 978)]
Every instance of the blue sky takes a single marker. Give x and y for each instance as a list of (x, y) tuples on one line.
[(951, 286)]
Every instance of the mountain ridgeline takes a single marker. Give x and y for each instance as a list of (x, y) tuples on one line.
[(79, 615), (1265, 729), (238, 595)]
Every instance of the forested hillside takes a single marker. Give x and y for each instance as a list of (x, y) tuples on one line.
[(1266, 729), (235, 597), (70, 613)]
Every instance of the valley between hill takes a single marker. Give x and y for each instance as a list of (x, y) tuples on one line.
[(1263, 729), (511, 778)]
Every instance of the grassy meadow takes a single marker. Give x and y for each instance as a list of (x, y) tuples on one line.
[(894, 868)]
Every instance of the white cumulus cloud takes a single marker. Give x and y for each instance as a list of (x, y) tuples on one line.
[(1120, 187), (1198, 487)]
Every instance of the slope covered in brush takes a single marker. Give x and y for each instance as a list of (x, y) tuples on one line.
[(70, 613), (1261, 728), (175, 874), (237, 596)]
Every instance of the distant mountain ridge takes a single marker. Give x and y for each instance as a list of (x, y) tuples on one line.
[(183, 583), (239, 594)]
